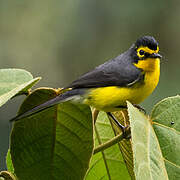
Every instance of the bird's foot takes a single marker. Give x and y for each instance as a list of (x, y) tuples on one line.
[(126, 132)]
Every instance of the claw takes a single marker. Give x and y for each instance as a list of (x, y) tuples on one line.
[(127, 132)]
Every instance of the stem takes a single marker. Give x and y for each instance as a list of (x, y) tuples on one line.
[(7, 175), (109, 143), (95, 113)]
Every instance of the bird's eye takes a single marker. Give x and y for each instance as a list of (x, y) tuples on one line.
[(141, 52)]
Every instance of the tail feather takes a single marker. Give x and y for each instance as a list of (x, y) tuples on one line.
[(69, 95)]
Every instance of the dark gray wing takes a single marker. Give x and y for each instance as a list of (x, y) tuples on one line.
[(116, 72)]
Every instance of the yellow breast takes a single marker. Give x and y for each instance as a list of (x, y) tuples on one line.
[(111, 98)]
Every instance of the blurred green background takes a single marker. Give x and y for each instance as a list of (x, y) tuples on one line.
[(60, 40)]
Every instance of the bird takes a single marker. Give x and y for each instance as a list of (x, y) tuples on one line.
[(131, 76)]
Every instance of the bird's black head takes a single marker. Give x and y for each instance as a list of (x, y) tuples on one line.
[(145, 47), (147, 41)]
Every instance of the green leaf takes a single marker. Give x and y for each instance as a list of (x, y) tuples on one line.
[(148, 159), (9, 162), (54, 144), (13, 82), (109, 163), (125, 145), (166, 123)]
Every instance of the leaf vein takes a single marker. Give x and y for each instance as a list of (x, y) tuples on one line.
[(70, 131), (167, 127), (172, 163), (71, 152), (76, 120)]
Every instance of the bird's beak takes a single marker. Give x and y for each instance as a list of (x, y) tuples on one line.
[(156, 55)]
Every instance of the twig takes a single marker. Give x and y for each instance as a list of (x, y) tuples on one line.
[(109, 143)]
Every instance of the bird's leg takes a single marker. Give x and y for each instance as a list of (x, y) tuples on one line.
[(116, 121), (123, 128), (140, 108)]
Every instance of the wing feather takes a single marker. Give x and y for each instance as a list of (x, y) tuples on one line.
[(116, 72)]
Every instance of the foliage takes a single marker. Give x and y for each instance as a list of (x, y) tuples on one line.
[(14, 82), (58, 143), (148, 160), (107, 164)]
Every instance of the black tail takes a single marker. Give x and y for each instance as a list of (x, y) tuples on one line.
[(68, 95)]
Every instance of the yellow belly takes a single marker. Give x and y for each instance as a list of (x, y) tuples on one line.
[(109, 98)]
